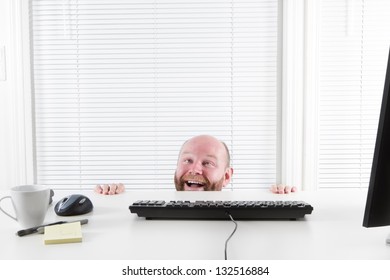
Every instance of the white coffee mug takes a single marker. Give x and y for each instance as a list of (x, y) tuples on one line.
[(30, 203)]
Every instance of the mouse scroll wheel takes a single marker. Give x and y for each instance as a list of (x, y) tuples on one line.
[(82, 201)]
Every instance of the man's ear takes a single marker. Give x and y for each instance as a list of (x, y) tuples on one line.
[(228, 176)]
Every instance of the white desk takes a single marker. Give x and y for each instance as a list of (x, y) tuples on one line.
[(333, 231)]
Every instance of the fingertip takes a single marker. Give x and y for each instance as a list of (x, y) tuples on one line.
[(106, 189), (119, 190), (274, 189), (98, 189)]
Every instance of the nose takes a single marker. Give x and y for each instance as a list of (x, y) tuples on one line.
[(196, 168)]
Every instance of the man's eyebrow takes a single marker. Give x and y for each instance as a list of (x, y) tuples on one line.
[(212, 156)]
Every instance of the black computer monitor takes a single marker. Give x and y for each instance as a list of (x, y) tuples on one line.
[(377, 211)]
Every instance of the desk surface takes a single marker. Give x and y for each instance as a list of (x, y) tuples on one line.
[(333, 231)]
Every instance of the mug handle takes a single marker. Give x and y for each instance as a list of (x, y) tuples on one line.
[(2, 210)]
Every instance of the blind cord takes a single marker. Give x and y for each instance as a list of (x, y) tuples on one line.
[(227, 240)]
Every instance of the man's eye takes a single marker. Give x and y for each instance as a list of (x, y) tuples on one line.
[(208, 163), (187, 161)]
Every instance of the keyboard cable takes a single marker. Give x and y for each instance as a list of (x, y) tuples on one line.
[(235, 228)]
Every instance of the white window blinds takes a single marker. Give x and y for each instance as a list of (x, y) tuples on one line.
[(119, 86), (354, 46)]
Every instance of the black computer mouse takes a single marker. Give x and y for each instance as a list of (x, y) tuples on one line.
[(72, 205)]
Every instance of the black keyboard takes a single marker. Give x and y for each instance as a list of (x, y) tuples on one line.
[(220, 210)]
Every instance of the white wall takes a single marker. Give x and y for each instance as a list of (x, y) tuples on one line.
[(15, 99), (4, 96)]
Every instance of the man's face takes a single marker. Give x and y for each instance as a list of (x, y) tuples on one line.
[(202, 165)]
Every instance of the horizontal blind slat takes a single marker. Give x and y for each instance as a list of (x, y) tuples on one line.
[(119, 85), (353, 56)]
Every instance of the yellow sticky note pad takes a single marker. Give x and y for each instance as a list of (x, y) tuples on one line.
[(63, 233)]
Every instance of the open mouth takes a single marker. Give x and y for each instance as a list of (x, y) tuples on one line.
[(193, 185)]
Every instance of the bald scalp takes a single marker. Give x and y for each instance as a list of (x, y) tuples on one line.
[(209, 138)]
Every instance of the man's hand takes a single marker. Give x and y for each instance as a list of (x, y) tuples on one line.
[(283, 189), (110, 189)]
